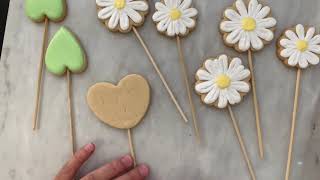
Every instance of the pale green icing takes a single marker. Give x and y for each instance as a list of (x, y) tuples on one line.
[(37, 10), (64, 52)]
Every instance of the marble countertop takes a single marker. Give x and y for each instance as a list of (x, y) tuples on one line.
[(162, 140)]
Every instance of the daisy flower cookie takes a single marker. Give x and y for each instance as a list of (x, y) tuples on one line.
[(299, 47), (121, 15), (175, 17), (247, 26), (222, 81)]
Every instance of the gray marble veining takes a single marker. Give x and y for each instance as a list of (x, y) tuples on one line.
[(162, 140)]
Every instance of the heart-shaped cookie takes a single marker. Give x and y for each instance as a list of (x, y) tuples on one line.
[(65, 52), (37, 10), (122, 106)]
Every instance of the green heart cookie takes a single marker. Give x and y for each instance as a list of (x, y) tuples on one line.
[(37, 10), (65, 52)]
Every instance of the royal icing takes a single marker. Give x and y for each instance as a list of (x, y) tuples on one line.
[(248, 26), (175, 17), (220, 82), (122, 13), (37, 10), (300, 48), (64, 52)]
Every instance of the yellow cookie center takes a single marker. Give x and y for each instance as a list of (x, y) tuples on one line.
[(223, 81), (248, 24), (175, 14), (302, 45), (119, 4)]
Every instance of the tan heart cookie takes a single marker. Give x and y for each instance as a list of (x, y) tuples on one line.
[(122, 106)]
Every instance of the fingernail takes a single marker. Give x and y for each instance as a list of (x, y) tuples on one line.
[(89, 147), (127, 160), (143, 170)]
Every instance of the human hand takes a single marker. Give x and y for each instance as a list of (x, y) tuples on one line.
[(119, 169)]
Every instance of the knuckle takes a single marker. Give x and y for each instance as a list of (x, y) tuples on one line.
[(89, 177), (117, 166), (134, 175)]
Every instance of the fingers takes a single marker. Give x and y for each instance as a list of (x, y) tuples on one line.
[(111, 170), (70, 169), (138, 173)]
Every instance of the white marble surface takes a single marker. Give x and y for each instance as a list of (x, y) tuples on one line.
[(162, 140)]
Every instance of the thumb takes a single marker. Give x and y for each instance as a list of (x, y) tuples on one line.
[(70, 169)]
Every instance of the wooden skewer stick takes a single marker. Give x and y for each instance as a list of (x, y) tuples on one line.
[(256, 106), (132, 148), (160, 74), (40, 73), (187, 84), (294, 116), (243, 148), (70, 111)]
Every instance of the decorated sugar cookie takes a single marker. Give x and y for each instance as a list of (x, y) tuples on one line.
[(298, 47), (121, 106), (248, 26), (66, 55), (39, 11), (176, 18), (121, 15), (125, 16), (222, 82)]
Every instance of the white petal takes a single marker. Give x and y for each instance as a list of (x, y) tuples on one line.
[(314, 48), (168, 3), (229, 26), (241, 8), (258, 8), (222, 99), (223, 62), (235, 62), (213, 67), (170, 30), (134, 15), (234, 36), (191, 12), (176, 3), (256, 42), (182, 28), (303, 63), (244, 43), (204, 87), (311, 57), (114, 20), (300, 31), (287, 43), (161, 7), (267, 22), (185, 4), (240, 86), (232, 15), (106, 12), (315, 40), (310, 33), (293, 59), (159, 15), (287, 52), (263, 12), (138, 5), (176, 25), (233, 96), (212, 96), (124, 21), (104, 3), (252, 7), (265, 34), (190, 23), (291, 35), (163, 24), (240, 75), (204, 75)]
